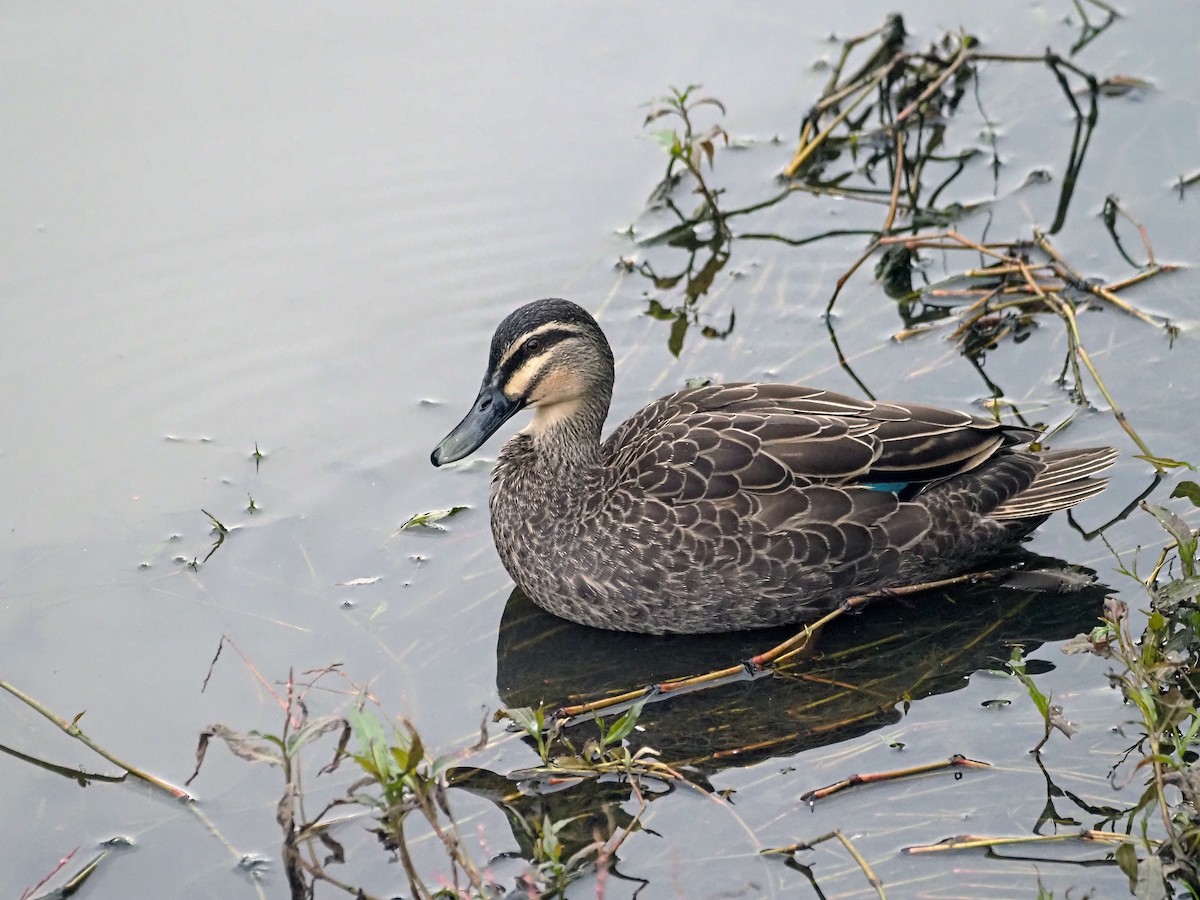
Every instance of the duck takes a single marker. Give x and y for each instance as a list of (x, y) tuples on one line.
[(731, 507)]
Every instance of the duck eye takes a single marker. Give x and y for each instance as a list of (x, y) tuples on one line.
[(533, 345)]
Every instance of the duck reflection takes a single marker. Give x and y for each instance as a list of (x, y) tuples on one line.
[(861, 671), (860, 675)]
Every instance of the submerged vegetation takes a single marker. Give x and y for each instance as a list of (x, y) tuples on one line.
[(881, 136)]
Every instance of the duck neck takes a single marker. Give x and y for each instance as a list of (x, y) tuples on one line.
[(566, 435)]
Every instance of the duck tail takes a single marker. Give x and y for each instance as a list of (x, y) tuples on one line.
[(1065, 480)]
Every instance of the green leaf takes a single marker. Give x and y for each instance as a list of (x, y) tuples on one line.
[(526, 719), (1188, 489), (709, 332), (1180, 589), (1040, 700), (678, 329), (250, 746), (431, 518), (1127, 861), (1163, 462), (622, 728), (656, 310), (372, 744), (665, 138), (416, 753), (573, 764), (894, 270), (1174, 525), (311, 731), (403, 759)]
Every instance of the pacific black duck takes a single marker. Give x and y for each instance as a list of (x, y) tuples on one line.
[(737, 506)]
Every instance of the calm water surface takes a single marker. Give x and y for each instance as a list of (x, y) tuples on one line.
[(295, 228)]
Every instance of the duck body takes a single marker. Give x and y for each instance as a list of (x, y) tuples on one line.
[(737, 506)]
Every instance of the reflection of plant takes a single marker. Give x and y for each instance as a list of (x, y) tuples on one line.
[(560, 859), (683, 318), (606, 754), (1052, 715), (557, 867)]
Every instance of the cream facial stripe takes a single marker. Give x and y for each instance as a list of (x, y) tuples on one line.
[(552, 331), (526, 375), (517, 374)]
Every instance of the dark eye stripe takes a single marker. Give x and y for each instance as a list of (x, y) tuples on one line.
[(542, 341)]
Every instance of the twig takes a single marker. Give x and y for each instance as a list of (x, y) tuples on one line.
[(980, 305), (1157, 269), (318, 872), (30, 891), (1082, 283), (893, 25), (891, 213), (849, 273), (976, 842), (1067, 312), (953, 762), (934, 86), (806, 150), (72, 729)]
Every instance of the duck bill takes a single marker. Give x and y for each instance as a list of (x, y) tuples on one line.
[(491, 410)]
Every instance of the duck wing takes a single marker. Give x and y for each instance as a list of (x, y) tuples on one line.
[(715, 442)]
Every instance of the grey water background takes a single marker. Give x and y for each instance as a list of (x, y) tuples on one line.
[(296, 227)]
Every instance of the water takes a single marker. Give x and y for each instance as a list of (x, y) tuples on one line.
[(296, 228)]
